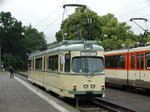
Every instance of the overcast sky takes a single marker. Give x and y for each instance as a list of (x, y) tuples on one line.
[(46, 15)]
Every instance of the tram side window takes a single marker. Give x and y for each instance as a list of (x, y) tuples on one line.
[(38, 64), (50, 63), (107, 62), (121, 61), (132, 60), (140, 61), (148, 60), (110, 62), (67, 62), (61, 62), (56, 63), (53, 63), (115, 61)]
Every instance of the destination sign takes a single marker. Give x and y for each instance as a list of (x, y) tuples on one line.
[(88, 53)]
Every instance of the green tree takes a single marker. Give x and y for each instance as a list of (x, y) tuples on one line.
[(117, 34), (11, 39), (107, 29), (17, 41), (84, 18), (148, 38), (34, 40)]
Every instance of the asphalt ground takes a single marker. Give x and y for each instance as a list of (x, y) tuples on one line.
[(15, 96)]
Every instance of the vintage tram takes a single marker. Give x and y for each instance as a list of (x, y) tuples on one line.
[(73, 69)]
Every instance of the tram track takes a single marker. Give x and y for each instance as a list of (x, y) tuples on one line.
[(89, 106), (99, 105), (110, 107)]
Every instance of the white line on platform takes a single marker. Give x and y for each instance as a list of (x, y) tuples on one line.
[(54, 104)]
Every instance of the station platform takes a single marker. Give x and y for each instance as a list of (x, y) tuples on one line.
[(16, 97), (133, 101)]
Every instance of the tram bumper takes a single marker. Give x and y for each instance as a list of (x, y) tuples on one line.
[(85, 94)]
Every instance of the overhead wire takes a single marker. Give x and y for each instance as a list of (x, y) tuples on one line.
[(127, 20), (53, 22), (57, 18), (130, 6), (133, 11), (50, 13)]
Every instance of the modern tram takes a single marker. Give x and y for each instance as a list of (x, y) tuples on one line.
[(128, 67), (73, 69)]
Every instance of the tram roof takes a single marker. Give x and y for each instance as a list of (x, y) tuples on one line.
[(66, 45), (117, 51), (145, 48)]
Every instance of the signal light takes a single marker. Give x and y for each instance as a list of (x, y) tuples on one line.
[(103, 87), (74, 87)]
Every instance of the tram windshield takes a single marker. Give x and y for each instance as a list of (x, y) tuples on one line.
[(87, 64)]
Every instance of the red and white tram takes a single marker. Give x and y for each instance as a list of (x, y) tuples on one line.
[(130, 67)]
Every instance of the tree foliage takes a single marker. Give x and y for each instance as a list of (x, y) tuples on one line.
[(118, 34), (33, 39), (107, 29), (18, 41), (81, 18)]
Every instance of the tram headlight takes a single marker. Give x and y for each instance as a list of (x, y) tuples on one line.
[(85, 86), (92, 85)]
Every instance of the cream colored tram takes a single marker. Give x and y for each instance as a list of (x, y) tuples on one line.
[(70, 69)]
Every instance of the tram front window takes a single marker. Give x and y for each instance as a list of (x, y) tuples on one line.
[(87, 64)]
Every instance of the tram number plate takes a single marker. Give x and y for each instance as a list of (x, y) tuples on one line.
[(83, 53)]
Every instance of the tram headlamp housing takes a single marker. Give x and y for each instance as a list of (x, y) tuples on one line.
[(85, 85), (92, 85)]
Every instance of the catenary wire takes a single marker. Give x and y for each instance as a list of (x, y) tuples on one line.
[(50, 14), (57, 18)]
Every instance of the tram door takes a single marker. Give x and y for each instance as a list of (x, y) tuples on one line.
[(139, 69)]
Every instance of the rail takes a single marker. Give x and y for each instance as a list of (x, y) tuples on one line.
[(110, 106)]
